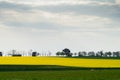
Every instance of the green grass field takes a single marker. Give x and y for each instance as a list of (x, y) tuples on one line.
[(16, 72), (62, 75)]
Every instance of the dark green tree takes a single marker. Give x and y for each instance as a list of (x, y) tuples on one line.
[(67, 52), (108, 54), (99, 54), (63, 54), (83, 53), (34, 54), (116, 54), (1, 54), (91, 54), (58, 53)]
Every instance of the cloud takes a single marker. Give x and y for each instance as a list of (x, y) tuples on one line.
[(59, 2), (112, 11), (118, 2), (89, 9), (78, 20), (6, 5), (49, 20), (81, 17), (3, 27)]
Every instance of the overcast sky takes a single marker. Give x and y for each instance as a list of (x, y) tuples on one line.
[(52, 25)]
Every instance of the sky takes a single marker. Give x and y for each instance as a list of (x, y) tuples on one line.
[(52, 25)]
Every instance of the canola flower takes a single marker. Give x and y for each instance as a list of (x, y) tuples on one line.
[(73, 62)]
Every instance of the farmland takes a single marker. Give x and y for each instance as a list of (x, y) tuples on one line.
[(58, 68), (61, 61), (61, 75)]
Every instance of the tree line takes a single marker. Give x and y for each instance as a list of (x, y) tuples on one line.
[(67, 52), (23, 53)]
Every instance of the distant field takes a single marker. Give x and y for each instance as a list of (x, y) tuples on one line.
[(61, 61)]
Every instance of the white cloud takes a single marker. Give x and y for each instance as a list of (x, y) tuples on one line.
[(118, 2), (58, 2), (41, 30), (79, 20), (3, 27), (63, 19)]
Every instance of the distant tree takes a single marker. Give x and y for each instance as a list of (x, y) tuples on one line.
[(58, 53), (116, 54), (83, 53), (29, 52), (1, 54), (38, 54), (16, 53), (34, 53), (100, 54), (75, 54), (80, 54), (108, 54), (49, 53), (62, 54), (91, 54), (67, 52), (13, 51)]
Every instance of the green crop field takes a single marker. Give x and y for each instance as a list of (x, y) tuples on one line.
[(22, 72), (62, 75), (40, 68)]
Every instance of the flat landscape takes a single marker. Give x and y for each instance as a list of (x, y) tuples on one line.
[(58, 68), (61, 61)]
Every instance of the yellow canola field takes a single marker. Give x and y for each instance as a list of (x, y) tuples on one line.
[(74, 62)]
